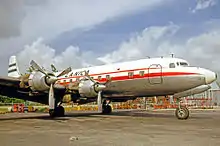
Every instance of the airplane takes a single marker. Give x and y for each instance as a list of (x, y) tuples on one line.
[(116, 82)]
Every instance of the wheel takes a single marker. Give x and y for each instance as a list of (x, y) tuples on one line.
[(52, 113), (106, 109), (57, 112), (60, 111), (182, 113)]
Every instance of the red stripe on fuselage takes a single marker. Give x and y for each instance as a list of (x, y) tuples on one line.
[(137, 76), (109, 73)]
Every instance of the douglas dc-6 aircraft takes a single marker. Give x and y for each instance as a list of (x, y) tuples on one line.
[(117, 82)]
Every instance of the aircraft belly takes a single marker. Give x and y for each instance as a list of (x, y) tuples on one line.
[(143, 87)]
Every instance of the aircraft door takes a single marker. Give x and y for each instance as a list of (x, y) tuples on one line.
[(155, 75)]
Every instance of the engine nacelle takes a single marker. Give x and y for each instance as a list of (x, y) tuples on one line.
[(86, 89), (192, 91), (38, 81)]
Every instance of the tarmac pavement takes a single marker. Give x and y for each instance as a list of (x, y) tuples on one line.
[(124, 128)]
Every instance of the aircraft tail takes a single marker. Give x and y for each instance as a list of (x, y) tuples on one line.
[(13, 70)]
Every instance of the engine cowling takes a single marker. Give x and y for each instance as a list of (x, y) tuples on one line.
[(38, 81), (87, 88)]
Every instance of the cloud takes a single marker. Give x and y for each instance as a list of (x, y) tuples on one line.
[(202, 50), (149, 42), (204, 4), (11, 15), (54, 18), (23, 21), (44, 55)]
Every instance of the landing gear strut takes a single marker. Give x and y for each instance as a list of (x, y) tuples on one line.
[(106, 107), (182, 112)]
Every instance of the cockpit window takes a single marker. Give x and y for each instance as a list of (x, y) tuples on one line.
[(172, 65), (183, 64)]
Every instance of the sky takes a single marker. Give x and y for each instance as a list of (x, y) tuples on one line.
[(81, 33)]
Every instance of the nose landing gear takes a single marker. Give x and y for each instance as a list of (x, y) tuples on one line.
[(182, 112)]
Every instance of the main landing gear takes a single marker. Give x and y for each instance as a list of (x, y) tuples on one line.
[(182, 112), (58, 111), (106, 107)]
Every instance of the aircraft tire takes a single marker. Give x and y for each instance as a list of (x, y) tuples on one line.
[(60, 111), (57, 112), (52, 113), (182, 113), (107, 109)]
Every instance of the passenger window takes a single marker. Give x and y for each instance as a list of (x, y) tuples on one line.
[(141, 73), (71, 80), (108, 77), (99, 77), (172, 65), (77, 79), (130, 74)]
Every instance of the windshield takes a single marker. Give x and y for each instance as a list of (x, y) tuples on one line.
[(182, 64)]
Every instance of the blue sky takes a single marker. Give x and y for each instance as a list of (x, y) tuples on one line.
[(107, 36)]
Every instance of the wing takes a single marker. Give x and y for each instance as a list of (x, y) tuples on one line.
[(9, 81), (10, 86)]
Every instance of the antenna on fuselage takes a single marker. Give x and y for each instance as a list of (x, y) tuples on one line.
[(172, 55)]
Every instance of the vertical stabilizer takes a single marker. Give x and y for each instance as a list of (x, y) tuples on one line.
[(13, 70)]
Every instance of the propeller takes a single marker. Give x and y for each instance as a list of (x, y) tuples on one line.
[(51, 79), (99, 87)]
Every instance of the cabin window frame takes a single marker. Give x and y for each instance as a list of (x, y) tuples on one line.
[(172, 65), (108, 77), (130, 74), (99, 77), (141, 73)]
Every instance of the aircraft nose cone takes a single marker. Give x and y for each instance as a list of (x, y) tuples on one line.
[(209, 76)]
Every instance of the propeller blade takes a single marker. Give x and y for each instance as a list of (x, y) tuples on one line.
[(51, 98), (99, 101), (66, 71), (218, 83), (37, 67), (53, 68), (91, 79)]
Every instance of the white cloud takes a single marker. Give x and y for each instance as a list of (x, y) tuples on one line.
[(204, 4), (150, 42), (27, 20), (49, 18), (201, 50), (44, 55)]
